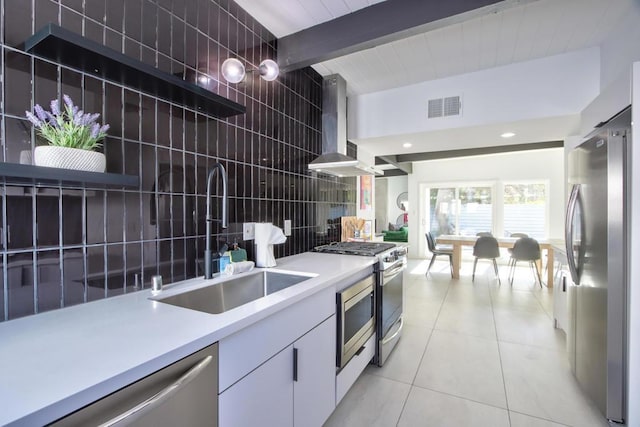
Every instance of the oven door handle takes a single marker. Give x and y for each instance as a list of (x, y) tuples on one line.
[(396, 333), (367, 292), (392, 272)]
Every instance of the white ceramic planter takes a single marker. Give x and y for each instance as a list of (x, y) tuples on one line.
[(69, 158)]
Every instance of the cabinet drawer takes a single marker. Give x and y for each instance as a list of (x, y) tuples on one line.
[(350, 373), (247, 349)]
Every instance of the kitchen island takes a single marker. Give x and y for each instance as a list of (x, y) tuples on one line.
[(54, 363)]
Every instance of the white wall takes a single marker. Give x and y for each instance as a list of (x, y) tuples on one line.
[(368, 159), (617, 52), (515, 92), (395, 186), (621, 48), (387, 191), (380, 208), (526, 165)]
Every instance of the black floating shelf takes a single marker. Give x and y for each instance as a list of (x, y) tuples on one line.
[(66, 47), (16, 173)]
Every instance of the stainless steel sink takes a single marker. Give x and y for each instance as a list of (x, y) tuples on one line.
[(234, 292)]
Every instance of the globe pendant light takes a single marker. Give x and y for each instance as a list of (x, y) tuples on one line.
[(233, 70)]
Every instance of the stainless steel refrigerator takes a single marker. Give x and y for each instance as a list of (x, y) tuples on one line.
[(597, 250)]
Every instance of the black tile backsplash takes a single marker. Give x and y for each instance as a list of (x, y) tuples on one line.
[(65, 245)]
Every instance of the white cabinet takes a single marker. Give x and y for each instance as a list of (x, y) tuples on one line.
[(296, 387), (314, 392), (244, 351), (281, 371), (262, 398)]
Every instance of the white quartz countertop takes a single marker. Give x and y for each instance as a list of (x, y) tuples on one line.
[(56, 362)]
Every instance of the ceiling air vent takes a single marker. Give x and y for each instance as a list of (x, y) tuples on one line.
[(452, 106), (442, 107), (435, 108)]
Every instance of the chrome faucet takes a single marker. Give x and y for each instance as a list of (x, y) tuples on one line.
[(208, 267)]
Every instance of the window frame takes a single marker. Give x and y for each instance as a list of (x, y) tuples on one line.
[(427, 187), (547, 208)]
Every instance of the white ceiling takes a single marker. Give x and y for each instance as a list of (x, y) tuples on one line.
[(290, 16), (532, 30), (529, 31)]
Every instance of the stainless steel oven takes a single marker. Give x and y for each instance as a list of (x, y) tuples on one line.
[(356, 318), (389, 297)]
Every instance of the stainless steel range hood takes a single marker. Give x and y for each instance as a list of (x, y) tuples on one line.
[(334, 160)]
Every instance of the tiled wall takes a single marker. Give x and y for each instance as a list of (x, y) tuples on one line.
[(64, 245)]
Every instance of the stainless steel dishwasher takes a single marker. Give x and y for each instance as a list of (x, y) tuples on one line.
[(184, 393)]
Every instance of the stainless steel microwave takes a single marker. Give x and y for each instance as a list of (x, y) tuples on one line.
[(356, 318)]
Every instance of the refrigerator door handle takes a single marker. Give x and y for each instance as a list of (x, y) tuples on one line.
[(568, 232)]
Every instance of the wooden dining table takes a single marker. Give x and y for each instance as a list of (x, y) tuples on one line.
[(457, 242)]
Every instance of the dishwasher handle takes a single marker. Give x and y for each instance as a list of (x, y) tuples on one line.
[(160, 397)]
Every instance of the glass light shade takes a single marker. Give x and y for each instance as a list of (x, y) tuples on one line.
[(233, 70), (269, 70)]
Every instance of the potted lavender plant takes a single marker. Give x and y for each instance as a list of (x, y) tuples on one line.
[(72, 134)]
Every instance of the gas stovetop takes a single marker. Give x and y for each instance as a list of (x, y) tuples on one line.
[(355, 248)]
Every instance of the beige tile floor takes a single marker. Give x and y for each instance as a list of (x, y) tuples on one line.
[(471, 354)]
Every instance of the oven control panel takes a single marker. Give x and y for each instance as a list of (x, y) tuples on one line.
[(390, 258), (401, 251), (394, 255)]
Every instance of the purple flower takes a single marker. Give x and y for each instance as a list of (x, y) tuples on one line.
[(68, 101), (88, 120), (95, 130), (83, 119), (104, 129), (94, 117), (53, 121), (40, 113), (55, 107), (77, 118), (33, 119)]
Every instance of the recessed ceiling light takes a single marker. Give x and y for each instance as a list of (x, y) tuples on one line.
[(508, 134), (407, 145)]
